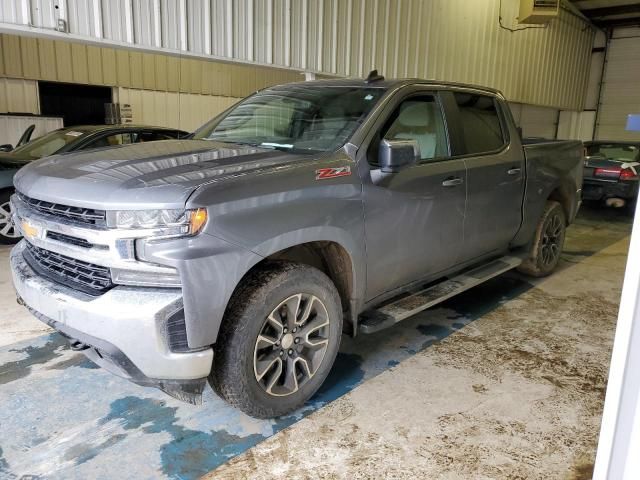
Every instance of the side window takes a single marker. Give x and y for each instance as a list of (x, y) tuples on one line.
[(420, 119), (480, 122), (153, 136), (111, 141)]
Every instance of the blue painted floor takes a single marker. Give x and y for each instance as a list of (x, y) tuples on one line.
[(63, 418)]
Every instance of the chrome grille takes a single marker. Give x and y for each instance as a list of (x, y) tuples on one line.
[(82, 215), (86, 277)]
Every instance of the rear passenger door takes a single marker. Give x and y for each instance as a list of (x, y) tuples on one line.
[(495, 174)]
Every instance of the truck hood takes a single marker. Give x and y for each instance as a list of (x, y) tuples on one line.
[(159, 174)]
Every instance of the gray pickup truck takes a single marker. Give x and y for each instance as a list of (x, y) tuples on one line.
[(306, 211)]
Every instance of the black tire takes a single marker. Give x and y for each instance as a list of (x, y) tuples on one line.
[(7, 230), (549, 237), (234, 376)]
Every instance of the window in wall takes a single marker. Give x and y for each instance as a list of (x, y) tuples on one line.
[(481, 123)]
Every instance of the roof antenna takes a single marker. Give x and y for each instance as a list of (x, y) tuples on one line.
[(374, 77)]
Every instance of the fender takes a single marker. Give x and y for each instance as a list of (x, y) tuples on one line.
[(353, 247)]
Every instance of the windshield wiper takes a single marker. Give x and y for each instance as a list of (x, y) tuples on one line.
[(279, 146)]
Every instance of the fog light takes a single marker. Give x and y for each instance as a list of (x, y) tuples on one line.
[(170, 278)]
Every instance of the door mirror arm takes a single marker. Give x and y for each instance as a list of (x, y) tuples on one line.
[(394, 155)]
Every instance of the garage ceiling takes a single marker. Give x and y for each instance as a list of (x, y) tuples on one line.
[(611, 13)]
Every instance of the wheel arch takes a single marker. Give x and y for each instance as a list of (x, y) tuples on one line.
[(563, 194), (332, 258)]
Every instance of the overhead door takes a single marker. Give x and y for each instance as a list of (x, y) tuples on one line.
[(620, 94)]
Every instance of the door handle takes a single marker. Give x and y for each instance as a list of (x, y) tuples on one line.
[(452, 182), (514, 171)]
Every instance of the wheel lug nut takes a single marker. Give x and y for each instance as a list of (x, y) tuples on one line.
[(284, 329), (294, 330), (290, 352), (297, 340), (281, 352)]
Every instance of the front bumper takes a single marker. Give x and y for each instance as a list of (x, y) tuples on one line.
[(124, 330)]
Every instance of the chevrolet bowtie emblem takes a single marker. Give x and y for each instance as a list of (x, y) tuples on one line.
[(28, 230)]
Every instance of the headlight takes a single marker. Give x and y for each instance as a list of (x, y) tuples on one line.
[(167, 222)]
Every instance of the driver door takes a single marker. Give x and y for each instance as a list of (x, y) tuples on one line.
[(414, 218)]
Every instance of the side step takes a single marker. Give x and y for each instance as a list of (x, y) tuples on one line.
[(389, 314)]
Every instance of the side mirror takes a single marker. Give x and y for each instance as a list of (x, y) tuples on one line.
[(7, 147), (394, 155)]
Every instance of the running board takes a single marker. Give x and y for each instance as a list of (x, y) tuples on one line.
[(389, 314)]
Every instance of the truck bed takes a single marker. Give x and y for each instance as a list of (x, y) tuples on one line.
[(550, 165)]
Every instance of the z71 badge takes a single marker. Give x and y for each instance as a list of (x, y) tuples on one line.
[(333, 172)]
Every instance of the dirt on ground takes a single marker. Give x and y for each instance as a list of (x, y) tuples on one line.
[(517, 394)]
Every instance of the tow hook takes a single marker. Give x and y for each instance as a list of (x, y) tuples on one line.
[(78, 346)]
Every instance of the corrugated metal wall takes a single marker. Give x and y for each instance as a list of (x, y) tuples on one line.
[(620, 93), (62, 61), (168, 109), (457, 40), (535, 121), (13, 126), (18, 96)]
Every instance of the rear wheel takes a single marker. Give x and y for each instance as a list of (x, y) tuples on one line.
[(278, 341), (547, 243), (8, 232)]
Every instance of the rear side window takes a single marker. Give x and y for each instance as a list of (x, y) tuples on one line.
[(112, 140), (155, 135), (480, 122)]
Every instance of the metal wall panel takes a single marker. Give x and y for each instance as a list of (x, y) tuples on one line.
[(13, 126), (576, 125), (459, 40), (620, 94), (170, 109), (19, 96), (56, 60), (535, 121)]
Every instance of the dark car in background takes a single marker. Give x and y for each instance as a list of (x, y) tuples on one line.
[(611, 173), (67, 140)]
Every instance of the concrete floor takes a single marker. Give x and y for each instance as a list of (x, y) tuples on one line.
[(504, 381)]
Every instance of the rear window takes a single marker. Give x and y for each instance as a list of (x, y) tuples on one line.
[(481, 123), (625, 153)]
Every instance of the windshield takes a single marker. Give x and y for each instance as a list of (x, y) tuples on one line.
[(295, 118), (47, 144), (625, 153)]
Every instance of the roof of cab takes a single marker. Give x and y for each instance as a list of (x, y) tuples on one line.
[(388, 84), (100, 128)]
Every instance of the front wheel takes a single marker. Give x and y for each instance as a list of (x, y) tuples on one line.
[(547, 243), (8, 232), (278, 341)]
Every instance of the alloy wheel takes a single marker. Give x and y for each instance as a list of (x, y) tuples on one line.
[(291, 345), (7, 227), (551, 240)]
